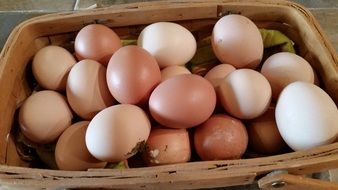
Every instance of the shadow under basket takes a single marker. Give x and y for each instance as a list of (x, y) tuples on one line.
[(128, 20)]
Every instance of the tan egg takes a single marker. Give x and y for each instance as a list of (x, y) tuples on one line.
[(264, 136), (87, 90), (284, 68), (71, 152), (167, 146), (245, 93), (173, 70), (217, 73), (132, 74), (44, 116), (236, 40), (51, 66), (97, 42), (117, 133)]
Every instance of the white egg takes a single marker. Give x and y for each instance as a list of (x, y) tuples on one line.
[(169, 43), (306, 116)]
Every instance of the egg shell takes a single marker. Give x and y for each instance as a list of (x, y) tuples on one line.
[(306, 116), (221, 137), (116, 133), (173, 70), (218, 73), (44, 116), (50, 67), (264, 136), (284, 68), (236, 40), (245, 93), (132, 74), (97, 42), (167, 146), (71, 152), (169, 43), (182, 101), (87, 90)]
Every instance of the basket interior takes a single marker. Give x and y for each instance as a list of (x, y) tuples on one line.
[(127, 21)]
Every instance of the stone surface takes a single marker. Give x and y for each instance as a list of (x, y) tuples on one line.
[(36, 5)]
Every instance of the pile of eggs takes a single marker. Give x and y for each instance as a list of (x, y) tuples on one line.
[(142, 98)]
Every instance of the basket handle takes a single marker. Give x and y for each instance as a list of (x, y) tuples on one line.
[(284, 181)]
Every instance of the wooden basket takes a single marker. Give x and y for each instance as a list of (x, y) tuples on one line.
[(198, 16)]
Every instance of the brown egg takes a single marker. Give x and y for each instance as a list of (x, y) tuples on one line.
[(245, 94), (264, 136), (117, 133), (221, 137), (71, 152), (182, 101), (44, 116), (236, 40), (87, 90), (51, 66), (132, 74), (96, 42), (216, 75), (167, 146), (173, 70), (284, 68)]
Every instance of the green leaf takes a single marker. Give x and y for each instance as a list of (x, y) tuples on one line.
[(273, 38)]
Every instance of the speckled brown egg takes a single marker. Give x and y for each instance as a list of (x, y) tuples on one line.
[(221, 137)]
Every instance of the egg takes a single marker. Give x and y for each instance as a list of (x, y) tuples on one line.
[(44, 116), (284, 68), (174, 70), (167, 146), (182, 101), (50, 67), (97, 42), (132, 74), (87, 90), (236, 40), (218, 73), (71, 152), (221, 137), (264, 137), (169, 43), (306, 116), (245, 93), (118, 132)]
